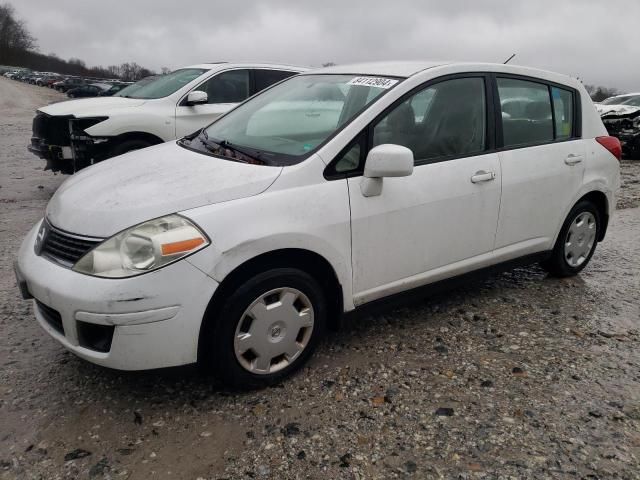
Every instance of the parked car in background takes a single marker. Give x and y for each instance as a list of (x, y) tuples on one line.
[(621, 117), (618, 103), (114, 88), (238, 245), (69, 83), (88, 90), (72, 135), (47, 80)]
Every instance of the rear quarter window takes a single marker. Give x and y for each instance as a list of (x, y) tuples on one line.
[(266, 78), (562, 112)]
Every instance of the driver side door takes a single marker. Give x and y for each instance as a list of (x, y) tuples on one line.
[(441, 220), (224, 91)]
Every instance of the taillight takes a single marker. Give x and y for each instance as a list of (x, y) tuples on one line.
[(612, 144)]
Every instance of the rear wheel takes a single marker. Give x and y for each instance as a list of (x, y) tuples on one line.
[(577, 241), (266, 329)]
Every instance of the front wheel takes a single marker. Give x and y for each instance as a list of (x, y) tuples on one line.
[(576, 242), (266, 329)]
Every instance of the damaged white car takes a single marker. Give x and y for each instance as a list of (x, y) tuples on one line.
[(74, 134), (621, 117)]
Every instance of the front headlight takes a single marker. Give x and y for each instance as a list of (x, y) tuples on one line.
[(143, 248)]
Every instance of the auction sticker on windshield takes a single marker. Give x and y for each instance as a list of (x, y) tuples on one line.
[(378, 82)]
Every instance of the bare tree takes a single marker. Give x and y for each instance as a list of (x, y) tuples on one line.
[(14, 36), (18, 48), (599, 93)]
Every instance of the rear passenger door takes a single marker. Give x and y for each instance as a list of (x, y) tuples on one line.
[(541, 161), (441, 220)]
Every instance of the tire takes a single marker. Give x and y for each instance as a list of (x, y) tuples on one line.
[(260, 361), (128, 146), (576, 242)]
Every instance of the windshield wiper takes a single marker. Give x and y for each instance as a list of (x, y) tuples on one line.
[(220, 147)]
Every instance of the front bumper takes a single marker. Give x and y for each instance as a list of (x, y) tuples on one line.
[(62, 142), (145, 322)]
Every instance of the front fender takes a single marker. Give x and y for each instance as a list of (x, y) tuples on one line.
[(156, 125)]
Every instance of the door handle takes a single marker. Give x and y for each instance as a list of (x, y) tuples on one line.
[(482, 176), (573, 159)]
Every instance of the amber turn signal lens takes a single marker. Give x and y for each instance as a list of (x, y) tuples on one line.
[(181, 247)]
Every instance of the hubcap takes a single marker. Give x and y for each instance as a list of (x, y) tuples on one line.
[(273, 331), (580, 239)]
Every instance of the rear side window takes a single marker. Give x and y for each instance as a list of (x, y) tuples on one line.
[(266, 78), (562, 112), (446, 119), (227, 87), (526, 112)]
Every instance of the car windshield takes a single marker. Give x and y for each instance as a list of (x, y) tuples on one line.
[(163, 85), (615, 100), (284, 124), (633, 101)]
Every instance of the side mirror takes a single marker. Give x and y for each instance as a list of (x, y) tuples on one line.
[(197, 97), (386, 160)]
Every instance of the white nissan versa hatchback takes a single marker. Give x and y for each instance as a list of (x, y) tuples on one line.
[(237, 246)]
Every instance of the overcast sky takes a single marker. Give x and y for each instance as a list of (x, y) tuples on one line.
[(596, 40)]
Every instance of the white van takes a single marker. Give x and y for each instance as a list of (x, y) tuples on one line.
[(237, 246), (75, 134)]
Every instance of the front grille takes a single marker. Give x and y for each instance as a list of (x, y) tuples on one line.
[(65, 248), (54, 130), (51, 316)]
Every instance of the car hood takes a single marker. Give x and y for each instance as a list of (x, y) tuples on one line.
[(99, 106), (144, 184)]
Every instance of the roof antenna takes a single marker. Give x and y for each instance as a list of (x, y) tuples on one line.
[(509, 59)]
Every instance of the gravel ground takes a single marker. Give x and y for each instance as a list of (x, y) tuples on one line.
[(515, 376)]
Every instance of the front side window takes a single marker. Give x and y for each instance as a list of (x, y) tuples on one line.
[(445, 119), (526, 112), (282, 125), (227, 87), (162, 85)]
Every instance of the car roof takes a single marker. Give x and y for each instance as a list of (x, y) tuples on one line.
[(392, 69), (625, 95), (405, 69), (227, 66)]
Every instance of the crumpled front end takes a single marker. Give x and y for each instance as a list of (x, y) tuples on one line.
[(61, 140), (51, 141), (625, 126)]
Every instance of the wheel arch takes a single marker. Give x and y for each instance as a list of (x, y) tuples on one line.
[(137, 135), (306, 260), (599, 198), (601, 202)]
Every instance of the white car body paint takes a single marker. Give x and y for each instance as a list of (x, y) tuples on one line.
[(429, 226)]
